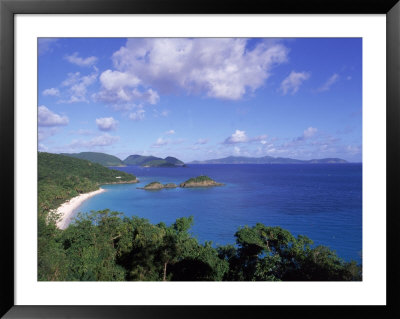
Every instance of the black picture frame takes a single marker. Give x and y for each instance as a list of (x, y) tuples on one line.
[(8, 8)]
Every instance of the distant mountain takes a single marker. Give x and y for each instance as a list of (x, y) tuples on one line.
[(100, 158), (152, 161), (268, 160)]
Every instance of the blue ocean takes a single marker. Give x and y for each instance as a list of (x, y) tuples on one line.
[(321, 201)]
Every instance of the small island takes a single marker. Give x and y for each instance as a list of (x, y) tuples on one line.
[(153, 186), (200, 181), (157, 186)]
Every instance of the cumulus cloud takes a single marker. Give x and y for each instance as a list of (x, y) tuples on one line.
[(237, 137), (137, 115), (77, 85), (98, 141), (241, 137), (216, 67), (106, 124), (122, 87), (292, 83), (49, 118), (42, 147), (160, 142), (76, 59), (352, 149), (307, 133), (170, 132), (51, 92), (327, 85), (46, 132)]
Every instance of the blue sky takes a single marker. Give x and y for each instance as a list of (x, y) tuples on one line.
[(201, 98)]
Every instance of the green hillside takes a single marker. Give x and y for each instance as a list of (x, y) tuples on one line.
[(62, 177), (100, 158), (152, 161)]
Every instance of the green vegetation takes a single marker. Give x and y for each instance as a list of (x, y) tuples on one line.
[(105, 246), (154, 185), (199, 179), (100, 158), (59, 179), (152, 161)]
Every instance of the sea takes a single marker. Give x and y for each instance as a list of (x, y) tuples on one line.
[(321, 201)]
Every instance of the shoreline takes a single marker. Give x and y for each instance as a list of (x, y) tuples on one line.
[(67, 209)]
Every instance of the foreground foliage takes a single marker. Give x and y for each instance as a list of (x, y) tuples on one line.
[(106, 246)]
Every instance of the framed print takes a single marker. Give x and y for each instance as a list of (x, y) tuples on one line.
[(176, 159)]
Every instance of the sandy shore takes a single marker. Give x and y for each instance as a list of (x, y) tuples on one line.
[(67, 209)]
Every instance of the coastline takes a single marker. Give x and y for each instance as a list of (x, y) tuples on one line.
[(67, 209)]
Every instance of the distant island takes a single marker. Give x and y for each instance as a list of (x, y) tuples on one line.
[(153, 161), (269, 160), (199, 181), (139, 160), (99, 158)]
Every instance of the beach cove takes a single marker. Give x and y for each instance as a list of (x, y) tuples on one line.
[(67, 210)]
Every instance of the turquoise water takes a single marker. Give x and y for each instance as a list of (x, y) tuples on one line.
[(323, 202)]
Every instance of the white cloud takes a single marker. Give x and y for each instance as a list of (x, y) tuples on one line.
[(112, 80), (98, 141), (49, 118), (309, 132), (237, 137), (170, 132), (241, 137), (120, 87), (292, 83), (160, 142), (327, 85), (353, 149), (236, 150), (75, 59), (137, 116), (42, 147), (78, 85), (217, 67), (51, 92), (106, 124), (46, 132)]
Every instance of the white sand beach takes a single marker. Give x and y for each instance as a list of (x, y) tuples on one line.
[(68, 208)]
